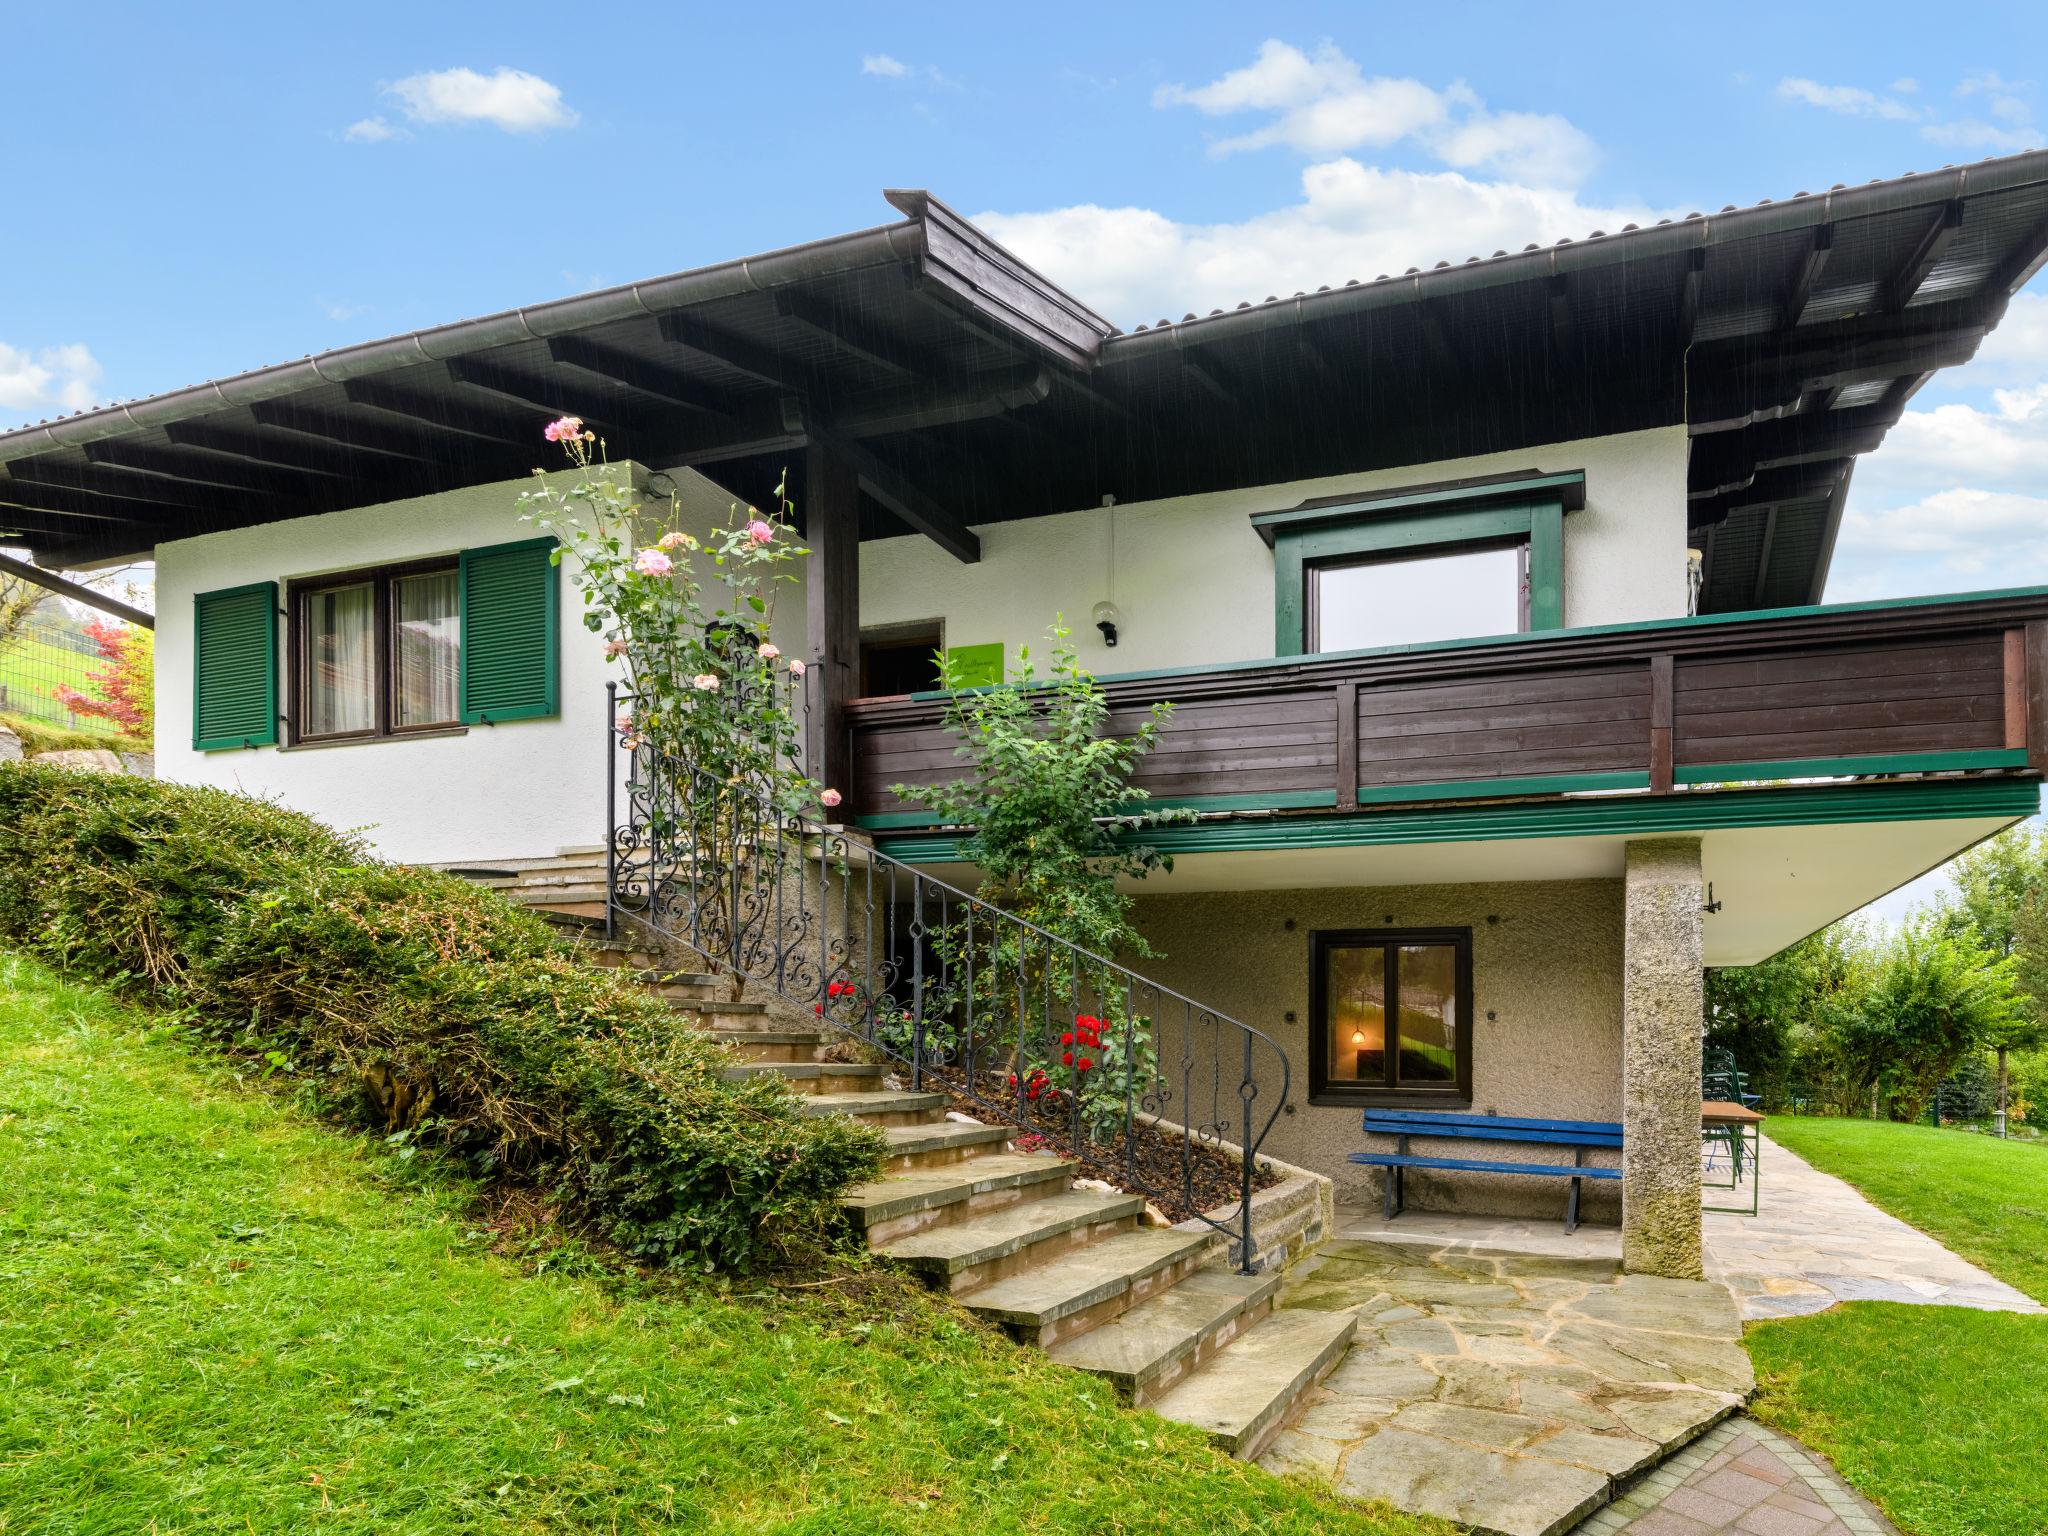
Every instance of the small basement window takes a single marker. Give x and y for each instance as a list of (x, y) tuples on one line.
[(1354, 605), (1390, 1016), (375, 653)]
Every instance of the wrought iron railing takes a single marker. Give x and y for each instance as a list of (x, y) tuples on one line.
[(1158, 1093)]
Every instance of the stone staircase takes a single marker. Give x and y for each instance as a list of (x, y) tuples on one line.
[(1075, 1270)]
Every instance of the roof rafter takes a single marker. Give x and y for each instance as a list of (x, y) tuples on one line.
[(463, 421), (654, 380), (1947, 224), (281, 452), (1806, 274), (740, 355)]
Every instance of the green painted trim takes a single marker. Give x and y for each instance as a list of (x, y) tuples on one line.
[(1568, 487), (1296, 550), (1639, 816), (1639, 627), (1283, 800), (1845, 767), (1536, 784)]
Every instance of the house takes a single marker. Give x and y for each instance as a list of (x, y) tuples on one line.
[(1487, 597)]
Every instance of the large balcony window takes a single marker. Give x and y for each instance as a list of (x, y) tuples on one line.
[(1415, 600)]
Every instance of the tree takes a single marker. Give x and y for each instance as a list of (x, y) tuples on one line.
[(1764, 1014), (127, 683), (19, 599), (1997, 883), (1936, 995)]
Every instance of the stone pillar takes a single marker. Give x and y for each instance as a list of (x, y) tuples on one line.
[(1661, 1014)]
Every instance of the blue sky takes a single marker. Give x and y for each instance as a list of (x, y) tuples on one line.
[(204, 190)]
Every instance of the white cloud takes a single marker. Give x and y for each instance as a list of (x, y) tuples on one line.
[(63, 378), (510, 99), (341, 312), (1323, 103), (1353, 221), (1957, 540), (1849, 100), (2006, 123), (373, 130), (885, 66)]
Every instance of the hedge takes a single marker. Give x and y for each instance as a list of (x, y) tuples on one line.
[(419, 1003)]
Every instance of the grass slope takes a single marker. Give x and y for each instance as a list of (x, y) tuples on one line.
[(1934, 1412), (218, 1316), (32, 669)]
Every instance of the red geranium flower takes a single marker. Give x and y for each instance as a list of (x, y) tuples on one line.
[(1085, 1063), (1066, 1058)]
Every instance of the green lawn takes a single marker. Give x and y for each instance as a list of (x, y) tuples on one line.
[(1934, 1412), (217, 1315)]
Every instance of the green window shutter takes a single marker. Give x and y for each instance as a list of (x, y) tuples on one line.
[(511, 620), (234, 668)]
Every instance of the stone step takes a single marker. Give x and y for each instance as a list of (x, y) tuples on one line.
[(1067, 1296), (717, 1006), (1158, 1343), (941, 1143), (902, 1203), (656, 976), (882, 1108), (775, 1044), (1243, 1396), (812, 1077), (967, 1254), (566, 894)]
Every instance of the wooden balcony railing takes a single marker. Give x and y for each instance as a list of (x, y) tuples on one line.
[(1913, 686)]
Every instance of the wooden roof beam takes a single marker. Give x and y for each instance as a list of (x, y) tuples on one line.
[(347, 431), (885, 412), (861, 338), (759, 363), (1948, 222), (30, 496), (889, 487), (1557, 289), (1806, 274), (90, 596), (1689, 293), (1763, 558), (544, 395), (189, 468), (653, 380), (311, 458), (444, 415), (105, 482)]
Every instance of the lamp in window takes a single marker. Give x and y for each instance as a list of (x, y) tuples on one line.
[(1358, 1039)]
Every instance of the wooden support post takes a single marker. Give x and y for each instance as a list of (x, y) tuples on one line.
[(831, 613), (1661, 715), (2037, 695), (2015, 678), (1347, 746)]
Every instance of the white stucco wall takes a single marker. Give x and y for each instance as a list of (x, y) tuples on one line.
[(523, 789), (1195, 584)]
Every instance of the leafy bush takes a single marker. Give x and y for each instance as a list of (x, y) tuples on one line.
[(436, 1011)]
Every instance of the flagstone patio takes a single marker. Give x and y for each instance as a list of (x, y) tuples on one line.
[(1816, 1241), (1511, 1392)]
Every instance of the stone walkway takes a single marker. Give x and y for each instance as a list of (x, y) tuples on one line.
[(1511, 1392), (1740, 1479), (1816, 1241)]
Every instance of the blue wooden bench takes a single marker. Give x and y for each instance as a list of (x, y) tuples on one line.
[(1405, 1124)]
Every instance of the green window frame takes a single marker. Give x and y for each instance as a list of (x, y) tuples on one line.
[(510, 598), (1527, 510), (234, 668)]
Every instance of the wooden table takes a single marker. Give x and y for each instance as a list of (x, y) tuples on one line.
[(1740, 1128)]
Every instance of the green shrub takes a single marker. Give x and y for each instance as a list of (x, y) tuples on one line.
[(420, 1004)]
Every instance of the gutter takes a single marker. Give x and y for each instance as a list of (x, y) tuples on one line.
[(1694, 232), (881, 246)]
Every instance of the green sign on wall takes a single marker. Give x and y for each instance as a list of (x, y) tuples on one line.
[(975, 666)]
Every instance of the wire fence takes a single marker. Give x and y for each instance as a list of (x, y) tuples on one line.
[(45, 655)]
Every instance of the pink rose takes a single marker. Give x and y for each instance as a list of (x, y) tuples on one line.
[(625, 722), (567, 430), (796, 669), (831, 798), (760, 530), (653, 562), (770, 650), (614, 648), (705, 682), (674, 539)]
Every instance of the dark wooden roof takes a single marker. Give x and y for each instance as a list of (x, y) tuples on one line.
[(967, 389)]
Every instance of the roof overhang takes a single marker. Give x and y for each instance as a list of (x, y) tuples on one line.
[(1784, 862), (969, 390)]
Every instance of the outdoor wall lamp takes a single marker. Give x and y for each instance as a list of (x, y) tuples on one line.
[(1106, 619)]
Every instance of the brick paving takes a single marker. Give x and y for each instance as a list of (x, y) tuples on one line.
[(1740, 1479)]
